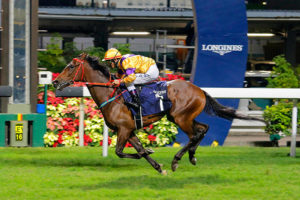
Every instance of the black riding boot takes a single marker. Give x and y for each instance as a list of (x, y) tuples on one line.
[(136, 100)]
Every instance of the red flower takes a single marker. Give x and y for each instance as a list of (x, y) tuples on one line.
[(109, 141), (151, 126), (60, 139), (152, 138), (87, 139), (55, 144), (54, 76), (171, 77), (128, 145), (76, 122)]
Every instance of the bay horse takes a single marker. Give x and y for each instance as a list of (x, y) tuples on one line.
[(188, 101)]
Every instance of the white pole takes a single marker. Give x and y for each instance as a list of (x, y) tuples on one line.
[(165, 52), (294, 129), (81, 122), (105, 141)]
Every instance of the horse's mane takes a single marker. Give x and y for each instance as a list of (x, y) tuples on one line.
[(96, 65)]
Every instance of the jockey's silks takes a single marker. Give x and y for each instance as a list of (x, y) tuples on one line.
[(132, 64)]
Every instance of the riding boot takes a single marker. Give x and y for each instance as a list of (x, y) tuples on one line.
[(136, 103)]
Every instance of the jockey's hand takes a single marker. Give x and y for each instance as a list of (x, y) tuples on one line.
[(117, 82)]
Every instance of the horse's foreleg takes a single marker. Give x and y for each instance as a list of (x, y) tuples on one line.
[(123, 137), (145, 153), (135, 142)]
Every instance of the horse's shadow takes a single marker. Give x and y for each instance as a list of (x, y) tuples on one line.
[(159, 182), (66, 162)]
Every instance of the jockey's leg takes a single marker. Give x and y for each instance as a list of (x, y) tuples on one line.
[(136, 100), (151, 75)]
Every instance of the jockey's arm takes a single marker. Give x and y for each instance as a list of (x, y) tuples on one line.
[(128, 78), (129, 66), (130, 75), (120, 74)]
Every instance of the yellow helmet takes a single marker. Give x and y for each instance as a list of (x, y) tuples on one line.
[(112, 54)]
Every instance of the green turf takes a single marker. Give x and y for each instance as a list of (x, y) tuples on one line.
[(82, 173)]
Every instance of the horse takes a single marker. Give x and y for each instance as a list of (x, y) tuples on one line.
[(188, 101)]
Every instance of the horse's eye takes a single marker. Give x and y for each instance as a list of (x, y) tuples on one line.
[(71, 66)]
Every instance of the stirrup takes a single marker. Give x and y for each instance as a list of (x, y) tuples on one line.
[(138, 119), (132, 104)]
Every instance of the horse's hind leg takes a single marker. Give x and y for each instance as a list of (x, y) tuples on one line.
[(187, 127), (200, 131), (195, 132)]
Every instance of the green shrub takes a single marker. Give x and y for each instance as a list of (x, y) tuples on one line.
[(283, 75), (70, 51), (53, 58), (278, 117)]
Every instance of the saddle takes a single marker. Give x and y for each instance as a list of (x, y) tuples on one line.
[(153, 98)]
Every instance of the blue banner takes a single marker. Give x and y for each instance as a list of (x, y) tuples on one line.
[(221, 55)]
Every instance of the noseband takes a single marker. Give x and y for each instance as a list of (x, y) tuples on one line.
[(80, 66)]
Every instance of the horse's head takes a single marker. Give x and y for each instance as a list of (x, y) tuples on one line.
[(74, 71)]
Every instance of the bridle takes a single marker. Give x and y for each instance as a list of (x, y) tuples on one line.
[(108, 84), (80, 67)]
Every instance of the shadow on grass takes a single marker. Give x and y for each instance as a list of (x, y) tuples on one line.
[(159, 183), (65, 162), (84, 160)]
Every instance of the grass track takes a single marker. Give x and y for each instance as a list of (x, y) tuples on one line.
[(82, 173)]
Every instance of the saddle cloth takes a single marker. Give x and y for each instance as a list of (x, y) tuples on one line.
[(153, 97)]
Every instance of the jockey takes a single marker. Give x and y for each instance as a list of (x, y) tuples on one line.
[(132, 69)]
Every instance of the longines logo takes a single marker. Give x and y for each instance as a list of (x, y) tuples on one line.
[(221, 49)]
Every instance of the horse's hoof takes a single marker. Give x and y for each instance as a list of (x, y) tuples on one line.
[(193, 161), (174, 166), (161, 165), (164, 172), (149, 151)]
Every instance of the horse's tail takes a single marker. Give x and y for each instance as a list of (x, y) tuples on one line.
[(213, 107)]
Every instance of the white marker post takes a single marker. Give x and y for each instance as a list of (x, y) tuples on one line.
[(105, 141), (81, 122), (294, 129)]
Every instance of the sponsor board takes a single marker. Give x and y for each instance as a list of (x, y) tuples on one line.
[(222, 49)]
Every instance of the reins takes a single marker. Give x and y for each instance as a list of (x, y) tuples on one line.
[(110, 98)]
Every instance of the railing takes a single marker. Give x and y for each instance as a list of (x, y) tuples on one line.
[(230, 93), (121, 3), (263, 93), (5, 91)]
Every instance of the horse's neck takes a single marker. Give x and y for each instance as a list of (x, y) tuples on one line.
[(98, 93)]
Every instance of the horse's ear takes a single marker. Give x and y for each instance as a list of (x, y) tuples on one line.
[(83, 56)]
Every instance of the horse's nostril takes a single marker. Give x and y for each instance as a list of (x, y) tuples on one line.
[(55, 83)]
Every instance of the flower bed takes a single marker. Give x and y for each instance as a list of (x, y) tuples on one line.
[(63, 123)]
